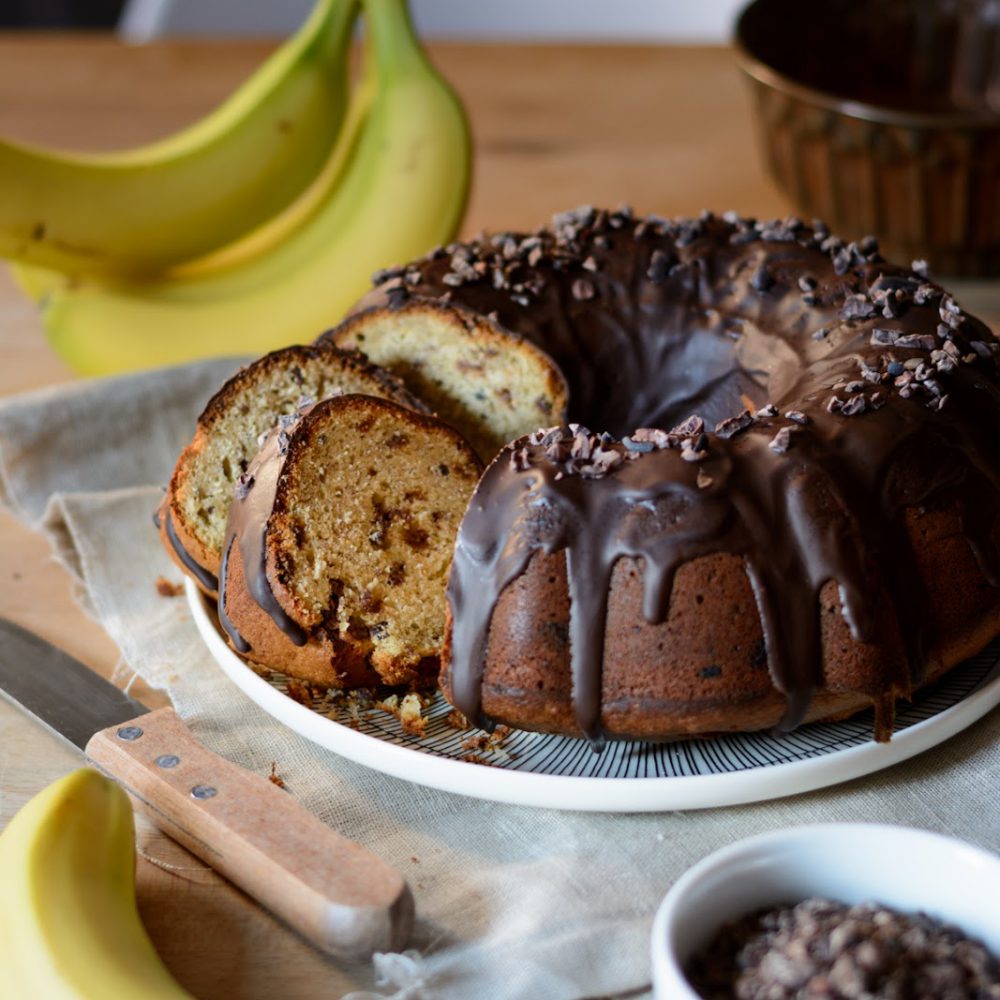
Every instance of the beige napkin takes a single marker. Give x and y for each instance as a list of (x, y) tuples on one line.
[(512, 902)]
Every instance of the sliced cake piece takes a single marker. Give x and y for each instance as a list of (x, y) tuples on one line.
[(492, 385), (339, 543), (192, 516)]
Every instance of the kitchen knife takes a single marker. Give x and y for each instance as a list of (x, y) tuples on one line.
[(333, 891)]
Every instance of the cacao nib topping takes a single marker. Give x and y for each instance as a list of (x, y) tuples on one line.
[(917, 341), (781, 441), (654, 436), (853, 406), (690, 427), (881, 337), (732, 426), (632, 444), (821, 948), (926, 293), (574, 450), (695, 449), (857, 307)]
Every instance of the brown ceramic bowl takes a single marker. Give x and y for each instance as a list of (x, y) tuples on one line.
[(883, 117)]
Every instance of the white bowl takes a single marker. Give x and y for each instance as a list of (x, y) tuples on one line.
[(902, 868)]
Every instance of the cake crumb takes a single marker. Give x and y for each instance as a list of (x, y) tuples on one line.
[(409, 711), (487, 742), (167, 588), (411, 716), (302, 692), (456, 720)]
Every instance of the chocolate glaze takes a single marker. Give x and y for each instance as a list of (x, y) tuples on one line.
[(885, 396), (202, 575), (246, 527)]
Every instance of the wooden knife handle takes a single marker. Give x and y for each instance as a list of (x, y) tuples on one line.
[(334, 892)]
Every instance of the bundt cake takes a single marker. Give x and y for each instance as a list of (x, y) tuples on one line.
[(773, 497), (489, 384), (192, 516), (787, 508), (338, 543)]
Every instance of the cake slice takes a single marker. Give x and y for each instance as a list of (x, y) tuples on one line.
[(192, 516), (492, 385), (339, 543)]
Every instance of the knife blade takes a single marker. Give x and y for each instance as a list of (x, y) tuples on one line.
[(339, 895)]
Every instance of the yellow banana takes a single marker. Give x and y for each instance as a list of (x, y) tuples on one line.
[(144, 210), (69, 925), (400, 191)]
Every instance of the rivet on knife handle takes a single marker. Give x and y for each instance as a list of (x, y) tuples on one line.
[(333, 891)]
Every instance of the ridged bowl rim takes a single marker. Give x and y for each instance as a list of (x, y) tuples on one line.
[(758, 69)]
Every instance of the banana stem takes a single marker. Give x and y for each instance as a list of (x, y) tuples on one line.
[(391, 38), (325, 23)]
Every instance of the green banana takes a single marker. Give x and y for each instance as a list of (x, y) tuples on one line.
[(69, 925), (144, 210), (399, 190)]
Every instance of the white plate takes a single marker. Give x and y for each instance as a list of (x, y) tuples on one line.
[(557, 772)]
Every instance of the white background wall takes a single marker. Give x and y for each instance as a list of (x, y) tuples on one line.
[(523, 20)]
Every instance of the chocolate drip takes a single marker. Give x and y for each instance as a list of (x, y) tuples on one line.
[(787, 519), (886, 398), (202, 575), (247, 527), (239, 643)]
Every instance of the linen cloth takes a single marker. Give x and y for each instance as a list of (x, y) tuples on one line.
[(512, 902)]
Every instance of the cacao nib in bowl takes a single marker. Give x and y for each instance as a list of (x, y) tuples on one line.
[(909, 871), (883, 117)]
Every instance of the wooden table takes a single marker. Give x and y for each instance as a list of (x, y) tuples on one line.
[(665, 129)]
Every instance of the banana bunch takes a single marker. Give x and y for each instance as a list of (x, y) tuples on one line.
[(214, 245), (69, 926)]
